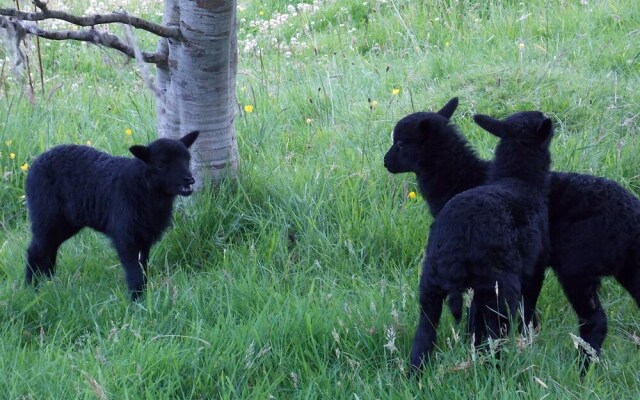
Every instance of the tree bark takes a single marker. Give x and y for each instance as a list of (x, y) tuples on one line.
[(166, 99), (198, 83)]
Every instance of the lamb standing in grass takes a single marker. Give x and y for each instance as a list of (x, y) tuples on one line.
[(128, 199), (428, 145), (594, 223), (594, 227), (489, 238)]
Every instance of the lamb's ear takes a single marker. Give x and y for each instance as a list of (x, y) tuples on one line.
[(489, 124), (545, 131), (449, 108), (139, 151), (189, 138)]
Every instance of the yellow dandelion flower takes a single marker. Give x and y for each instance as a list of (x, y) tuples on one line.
[(395, 91), (309, 120), (12, 155), (261, 13), (248, 108), (412, 195), (373, 104), (521, 45), (89, 143), (447, 44), (24, 167), (128, 132), (8, 142)]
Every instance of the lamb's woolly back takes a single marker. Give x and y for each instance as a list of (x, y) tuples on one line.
[(427, 144)]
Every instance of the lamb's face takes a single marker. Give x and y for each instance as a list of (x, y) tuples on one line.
[(167, 162), (403, 154), (418, 136), (169, 169)]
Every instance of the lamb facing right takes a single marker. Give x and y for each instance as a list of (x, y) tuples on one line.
[(489, 238), (129, 199)]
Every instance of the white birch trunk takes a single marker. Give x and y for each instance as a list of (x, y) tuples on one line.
[(166, 102), (197, 86)]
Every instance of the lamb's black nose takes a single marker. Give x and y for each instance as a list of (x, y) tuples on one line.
[(189, 180)]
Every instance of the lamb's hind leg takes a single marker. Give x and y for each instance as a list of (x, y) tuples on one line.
[(431, 302), (583, 296), (531, 287), (499, 305), (630, 280), (43, 249)]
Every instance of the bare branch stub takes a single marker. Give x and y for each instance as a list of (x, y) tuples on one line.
[(92, 20), (16, 34), (40, 4)]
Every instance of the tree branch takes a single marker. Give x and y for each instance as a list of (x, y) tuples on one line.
[(91, 35), (102, 38), (92, 20)]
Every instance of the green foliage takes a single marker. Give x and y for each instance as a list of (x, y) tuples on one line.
[(299, 279)]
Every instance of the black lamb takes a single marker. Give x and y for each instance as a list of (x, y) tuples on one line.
[(128, 199), (428, 145), (489, 238), (594, 223)]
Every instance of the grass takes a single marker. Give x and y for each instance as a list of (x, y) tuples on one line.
[(299, 281)]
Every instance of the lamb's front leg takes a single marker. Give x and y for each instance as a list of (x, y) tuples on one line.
[(431, 301), (134, 261)]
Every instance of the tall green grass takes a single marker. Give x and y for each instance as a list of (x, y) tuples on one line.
[(299, 279)]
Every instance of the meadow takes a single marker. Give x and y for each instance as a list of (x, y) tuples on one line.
[(299, 279)]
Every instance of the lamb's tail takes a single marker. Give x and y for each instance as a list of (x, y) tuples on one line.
[(455, 305), (636, 251)]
